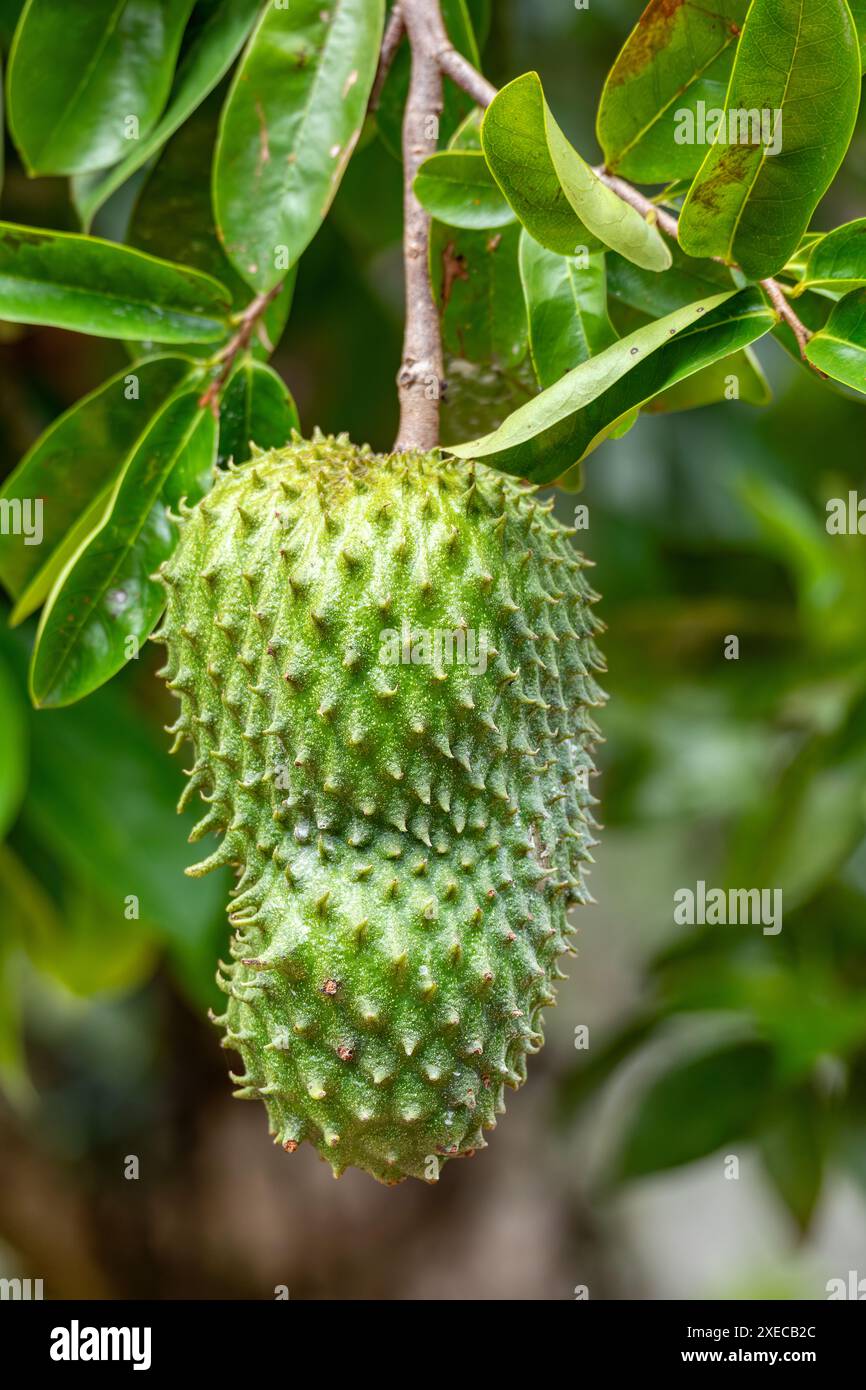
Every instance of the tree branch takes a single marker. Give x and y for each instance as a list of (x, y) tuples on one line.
[(433, 55), (420, 376), (247, 322), (395, 32), (463, 74)]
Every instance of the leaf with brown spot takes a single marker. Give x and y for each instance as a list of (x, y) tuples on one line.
[(290, 124), (679, 53), (799, 62)]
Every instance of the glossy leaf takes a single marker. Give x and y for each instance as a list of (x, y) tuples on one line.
[(836, 261), (102, 72), (94, 286), (739, 377), (839, 348), (173, 218), (476, 283), (800, 63), (657, 295), (549, 435), (208, 59), (696, 1107), (107, 594), (676, 57), (73, 465), (561, 202), (290, 125), (566, 304), (457, 187), (257, 408)]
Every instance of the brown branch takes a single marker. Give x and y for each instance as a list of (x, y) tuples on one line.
[(463, 74), (420, 376), (785, 310), (395, 32), (247, 322)]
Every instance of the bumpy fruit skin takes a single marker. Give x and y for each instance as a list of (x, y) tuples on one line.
[(408, 837)]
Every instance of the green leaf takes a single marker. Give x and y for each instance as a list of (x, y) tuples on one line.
[(675, 57), (98, 287), (839, 348), (561, 202), (13, 749), (748, 206), (290, 125), (741, 373), (107, 595), (72, 465), (545, 438), (94, 67), (458, 188), (94, 950), (696, 1107), (206, 62), (836, 261), (858, 12), (457, 106), (566, 304), (793, 1147), (257, 408), (173, 219), (476, 284), (656, 295)]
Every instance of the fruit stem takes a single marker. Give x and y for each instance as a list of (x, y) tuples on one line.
[(419, 379)]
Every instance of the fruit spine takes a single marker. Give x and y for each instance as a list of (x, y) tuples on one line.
[(409, 826)]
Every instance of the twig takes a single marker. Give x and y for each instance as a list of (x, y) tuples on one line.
[(785, 310), (395, 32), (645, 206), (247, 321), (462, 73), (420, 376)]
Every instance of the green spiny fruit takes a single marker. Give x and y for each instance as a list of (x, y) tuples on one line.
[(385, 667)]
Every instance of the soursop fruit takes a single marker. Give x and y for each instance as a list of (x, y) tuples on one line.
[(386, 671)]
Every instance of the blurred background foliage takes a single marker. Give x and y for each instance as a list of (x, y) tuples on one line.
[(613, 1169)]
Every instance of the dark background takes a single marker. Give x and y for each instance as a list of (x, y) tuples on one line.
[(747, 772)]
